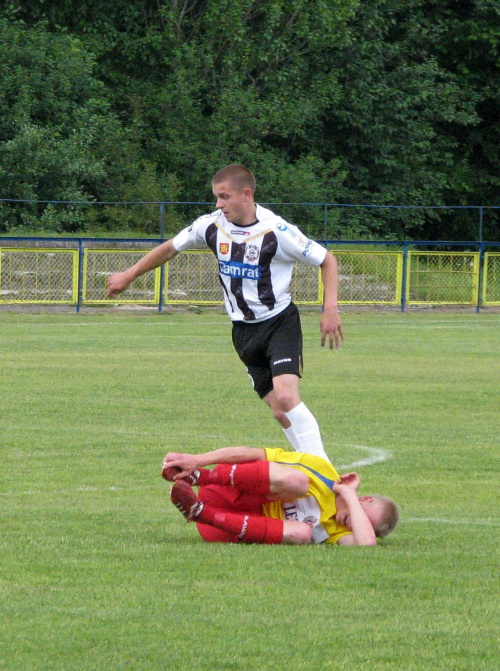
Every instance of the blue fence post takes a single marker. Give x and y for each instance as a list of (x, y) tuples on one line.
[(480, 277), (325, 223), (80, 275), (162, 269), (162, 221), (481, 261), (403, 280), (162, 288)]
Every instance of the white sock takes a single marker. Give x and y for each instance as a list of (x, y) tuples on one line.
[(292, 439), (306, 431)]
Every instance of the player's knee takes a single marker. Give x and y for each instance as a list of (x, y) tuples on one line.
[(296, 483), (287, 399), (286, 392), (301, 534)]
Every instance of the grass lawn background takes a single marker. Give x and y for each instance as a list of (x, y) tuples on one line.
[(99, 571)]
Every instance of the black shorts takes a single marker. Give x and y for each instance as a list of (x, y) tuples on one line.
[(270, 348)]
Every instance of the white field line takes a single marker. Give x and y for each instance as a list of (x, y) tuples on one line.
[(434, 323), (456, 520), (37, 492), (436, 326), (119, 324), (375, 456)]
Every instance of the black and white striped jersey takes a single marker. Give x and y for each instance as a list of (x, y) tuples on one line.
[(255, 262)]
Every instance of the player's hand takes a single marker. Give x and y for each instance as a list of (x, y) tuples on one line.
[(337, 487), (331, 326), (186, 462), (351, 480), (117, 283)]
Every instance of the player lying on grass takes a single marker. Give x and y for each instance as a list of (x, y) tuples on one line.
[(268, 495)]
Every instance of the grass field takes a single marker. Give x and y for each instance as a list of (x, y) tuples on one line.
[(99, 572)]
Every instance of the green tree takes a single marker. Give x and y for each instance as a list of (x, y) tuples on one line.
[(59, 138), (390, 125), (465, 40), (385, 102)]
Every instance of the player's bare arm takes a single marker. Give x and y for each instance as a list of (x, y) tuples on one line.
[(331, 324), (362, 529), (224, 455), (118, 282)]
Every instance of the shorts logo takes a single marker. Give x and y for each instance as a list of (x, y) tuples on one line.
[(244, 527), (224, 247), (252, 252), (275, 363)]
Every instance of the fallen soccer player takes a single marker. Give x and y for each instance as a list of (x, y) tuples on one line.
[(270, 496)]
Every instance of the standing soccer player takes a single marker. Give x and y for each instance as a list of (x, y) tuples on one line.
[(257, 251)]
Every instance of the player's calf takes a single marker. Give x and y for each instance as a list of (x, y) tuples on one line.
[(296, 533)]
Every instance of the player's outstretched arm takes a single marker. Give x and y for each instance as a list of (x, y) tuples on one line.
[(224, 455), (118, 282), (331, 324)]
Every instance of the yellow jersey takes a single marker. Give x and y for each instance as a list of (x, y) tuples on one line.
[(318, 507)]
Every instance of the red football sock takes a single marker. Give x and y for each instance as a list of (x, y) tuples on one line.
[(252, 477), (248, 528)]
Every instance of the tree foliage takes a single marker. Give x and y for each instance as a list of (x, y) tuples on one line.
[(349, 101)]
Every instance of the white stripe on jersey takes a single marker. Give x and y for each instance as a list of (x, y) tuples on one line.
[(307, 510), (255, 262)]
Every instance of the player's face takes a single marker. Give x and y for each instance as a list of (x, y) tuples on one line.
[(373, 509), (237, 206), (371, 506)]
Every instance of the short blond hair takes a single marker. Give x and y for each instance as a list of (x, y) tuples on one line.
[(390, 516), (238, 176)]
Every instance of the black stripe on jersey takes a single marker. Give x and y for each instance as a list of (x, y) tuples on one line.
[(264, 286), (238, 255), (211, 240), (211, 237)]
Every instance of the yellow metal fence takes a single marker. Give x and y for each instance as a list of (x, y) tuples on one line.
[(79, 277), (30, 275), (369, 277), (491, 281), (99, 264), (442, 277)]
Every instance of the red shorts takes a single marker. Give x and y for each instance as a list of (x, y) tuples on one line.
[(228, 500)]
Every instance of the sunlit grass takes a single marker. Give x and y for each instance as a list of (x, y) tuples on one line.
[(99, 571)]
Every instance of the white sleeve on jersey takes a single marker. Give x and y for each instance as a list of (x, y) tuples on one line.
[(193, 237), (298, 247)]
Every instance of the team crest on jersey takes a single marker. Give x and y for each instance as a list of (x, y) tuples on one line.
[(311, 520), (252, 252), (224, 247)]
